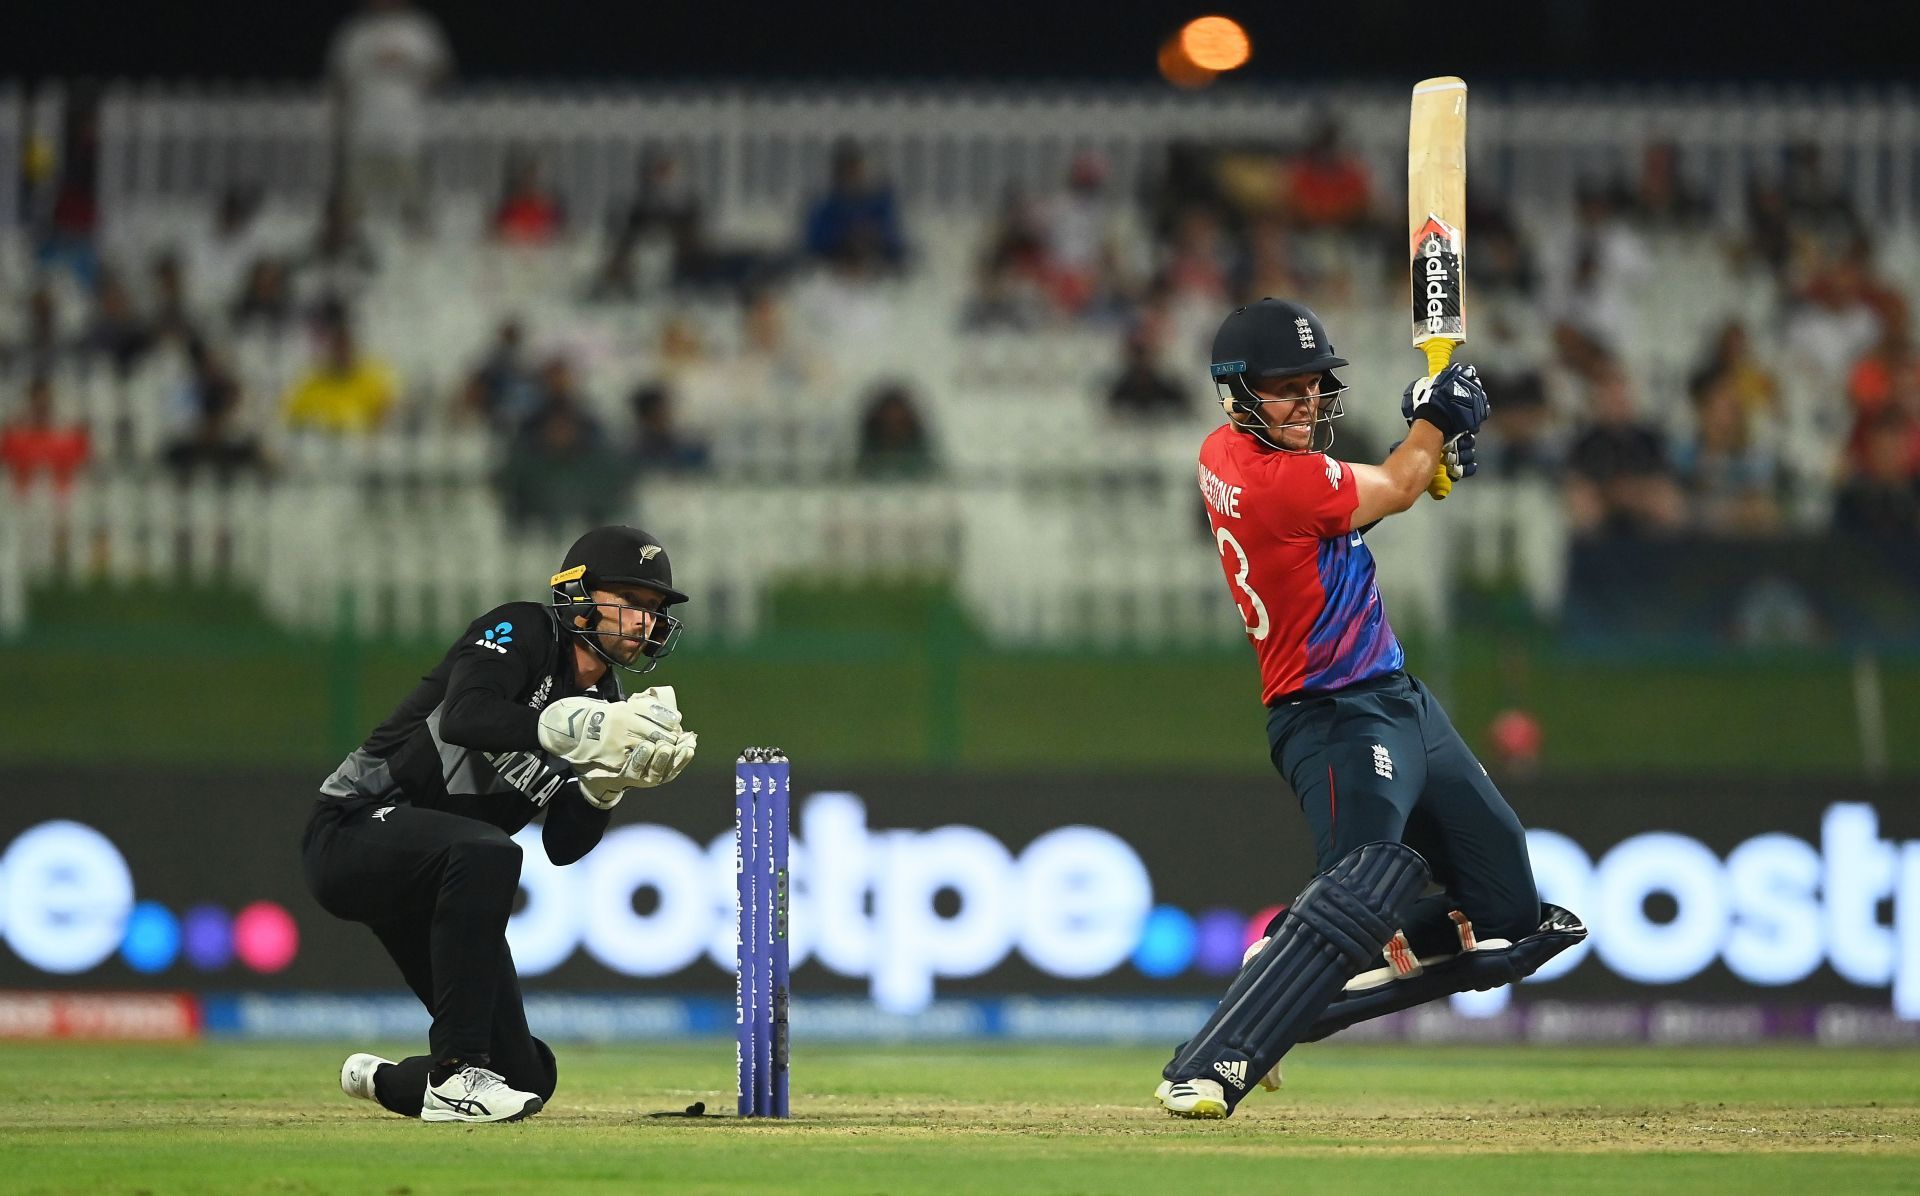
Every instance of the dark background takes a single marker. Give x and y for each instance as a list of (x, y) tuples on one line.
[(574, 40)]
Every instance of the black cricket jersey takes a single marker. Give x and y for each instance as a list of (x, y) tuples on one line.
[(467, 741)]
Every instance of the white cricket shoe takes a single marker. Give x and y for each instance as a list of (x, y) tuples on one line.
[(356, 1075), (1199, 1099), (476, 1094)]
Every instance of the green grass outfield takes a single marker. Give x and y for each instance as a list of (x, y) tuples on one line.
[(270, 1118)]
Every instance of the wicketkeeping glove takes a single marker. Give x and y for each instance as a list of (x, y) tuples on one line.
[(590, 732), (658, 704), (649, 765)]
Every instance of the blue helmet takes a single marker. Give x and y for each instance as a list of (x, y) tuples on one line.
[(1269, 340)]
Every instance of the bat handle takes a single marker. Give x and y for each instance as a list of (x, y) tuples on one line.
[(1439, 351)]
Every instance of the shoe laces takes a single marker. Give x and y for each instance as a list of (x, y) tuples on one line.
[(479, 1079)]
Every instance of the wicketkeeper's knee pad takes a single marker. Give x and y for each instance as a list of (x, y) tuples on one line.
[(1470, 971), (1333, 930)]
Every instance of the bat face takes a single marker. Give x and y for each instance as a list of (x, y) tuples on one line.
[(1437, 310)]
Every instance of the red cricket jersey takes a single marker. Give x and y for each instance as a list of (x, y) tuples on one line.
[(1303, 581)]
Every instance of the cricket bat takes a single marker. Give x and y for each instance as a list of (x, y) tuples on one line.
[(1437, 225)]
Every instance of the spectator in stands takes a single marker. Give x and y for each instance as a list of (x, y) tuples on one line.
[(1270, 266), (1732, 360), (222, 254), (1503, 262), (1731, 477), (32, 445), (1522, 445), (1619, 478), (771, 364), (1839, 314), (1663, 199), (1199, 258), (560, 468), (659, 443), (69, 182), (344, 392), (1006, 297), (1326, 186), (893, 438), (1075, 236), (39, 348), (664, 209), (529, 213), (1812, 203), (1902, 402), (1890, 364), (209, 436), (1770, 239), (382, 65), (339, 260), (115, 331), (1594, 292), (1882, 495), (265, 301), (1143, 390), (173, 321), (502, 391), (857, 217), (1011, 290)]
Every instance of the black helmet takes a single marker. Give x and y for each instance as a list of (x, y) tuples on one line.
[(617, 556), (1275, 339)]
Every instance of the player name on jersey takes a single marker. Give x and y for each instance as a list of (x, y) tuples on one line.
[(1221, 496)]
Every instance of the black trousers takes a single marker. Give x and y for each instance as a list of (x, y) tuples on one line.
[(1381, 760), (436, 889)]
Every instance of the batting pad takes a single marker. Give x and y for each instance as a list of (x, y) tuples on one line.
[(1333, 930), (1470, 971)]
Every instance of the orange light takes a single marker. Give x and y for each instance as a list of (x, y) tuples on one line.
[(1180, 70), (1215, 43)]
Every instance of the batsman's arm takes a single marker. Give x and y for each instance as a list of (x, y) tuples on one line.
[(1397, 483)]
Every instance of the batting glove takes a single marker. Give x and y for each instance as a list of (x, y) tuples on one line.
[(1452, 400), (1459, 458)]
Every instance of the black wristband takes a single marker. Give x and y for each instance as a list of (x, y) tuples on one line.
[(1436, 416)]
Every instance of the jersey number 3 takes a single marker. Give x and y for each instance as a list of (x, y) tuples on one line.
[(1258, 625)]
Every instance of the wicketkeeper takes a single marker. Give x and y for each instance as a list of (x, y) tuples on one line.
[(521, 719)]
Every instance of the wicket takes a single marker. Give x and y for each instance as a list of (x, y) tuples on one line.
[(761, 797)]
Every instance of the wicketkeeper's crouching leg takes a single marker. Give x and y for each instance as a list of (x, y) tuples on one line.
[(1334, 929)]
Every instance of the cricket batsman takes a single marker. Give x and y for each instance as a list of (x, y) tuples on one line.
[(1394, 799), (522, 718)]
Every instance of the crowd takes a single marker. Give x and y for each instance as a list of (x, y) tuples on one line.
[(1714, 453), (1717, 453)]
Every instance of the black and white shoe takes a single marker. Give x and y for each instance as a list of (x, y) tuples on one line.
[(476, 1094), (356, 1075)]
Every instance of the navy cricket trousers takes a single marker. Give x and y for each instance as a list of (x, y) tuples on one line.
[(1380, 760)]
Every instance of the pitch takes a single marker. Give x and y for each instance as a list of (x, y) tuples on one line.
[(256, 1118)]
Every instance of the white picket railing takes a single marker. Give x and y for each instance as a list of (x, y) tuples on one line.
[(1123, 562), (961, 150)]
